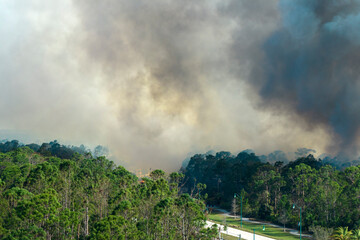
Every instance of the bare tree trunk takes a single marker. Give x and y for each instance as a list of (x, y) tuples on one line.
[(183, 227), (234, 207), (87, 218)]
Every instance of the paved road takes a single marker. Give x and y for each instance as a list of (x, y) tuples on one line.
[(289, 230), (236, 232)]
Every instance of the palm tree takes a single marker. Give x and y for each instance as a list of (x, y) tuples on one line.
[(356, 234), (342, 233)]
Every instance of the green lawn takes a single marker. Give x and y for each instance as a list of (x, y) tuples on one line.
[(228, 237), (270, 231)]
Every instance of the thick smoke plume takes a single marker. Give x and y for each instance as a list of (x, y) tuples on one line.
[(156, 80), (310, 65)]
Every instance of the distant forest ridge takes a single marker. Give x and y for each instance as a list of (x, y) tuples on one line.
[(341, 161), (54, 148)]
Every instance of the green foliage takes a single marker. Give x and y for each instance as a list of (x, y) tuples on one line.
[(46, 197), (356, 234), (327, 197), (157, 174), (321, 233), (111, 227), (342, 233)]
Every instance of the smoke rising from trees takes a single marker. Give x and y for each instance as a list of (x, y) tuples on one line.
[(155, 80)]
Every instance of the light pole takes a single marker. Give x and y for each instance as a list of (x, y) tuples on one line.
[(263, 228), (241, 198), (241, 211), (294, 205)]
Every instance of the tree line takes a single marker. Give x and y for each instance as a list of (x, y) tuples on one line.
[(43, 196), (327, 196), (54, 148)]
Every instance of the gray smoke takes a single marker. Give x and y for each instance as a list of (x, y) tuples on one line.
[(310, 66), (155, 80)]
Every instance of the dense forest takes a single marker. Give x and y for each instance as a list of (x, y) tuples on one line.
[(52, 191), (44, 196), (328, 197)]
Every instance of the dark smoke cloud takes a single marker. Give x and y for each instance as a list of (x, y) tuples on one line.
[(310, 65)]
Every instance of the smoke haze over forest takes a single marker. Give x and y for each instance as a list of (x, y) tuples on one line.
[(156, 80)]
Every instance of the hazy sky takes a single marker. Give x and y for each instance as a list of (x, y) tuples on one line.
[(158, 80)]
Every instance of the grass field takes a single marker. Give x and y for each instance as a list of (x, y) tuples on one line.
[(228, 237), (270, 231)]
